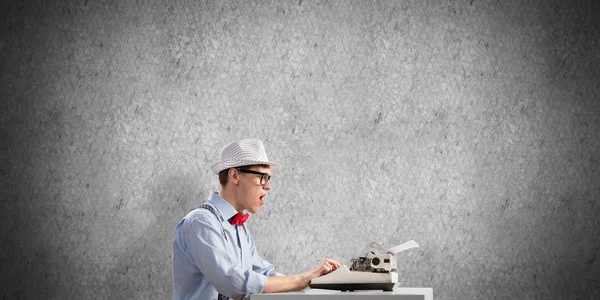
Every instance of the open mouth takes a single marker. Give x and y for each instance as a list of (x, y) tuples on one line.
[(261, 198)]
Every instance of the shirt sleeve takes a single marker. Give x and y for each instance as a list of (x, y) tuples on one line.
[(208, 251), (259, 265)]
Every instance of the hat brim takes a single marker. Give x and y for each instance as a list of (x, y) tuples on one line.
[(224, 165)]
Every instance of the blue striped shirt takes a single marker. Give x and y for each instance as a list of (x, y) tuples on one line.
[(205, 263)]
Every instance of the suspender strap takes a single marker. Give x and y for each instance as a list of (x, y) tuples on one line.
[(214, 212)]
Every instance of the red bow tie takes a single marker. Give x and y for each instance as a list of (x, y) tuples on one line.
[(238, 219)]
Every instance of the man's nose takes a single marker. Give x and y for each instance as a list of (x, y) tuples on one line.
[(267, 186)]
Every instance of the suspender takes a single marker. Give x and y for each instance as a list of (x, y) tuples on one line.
[(214, 212)]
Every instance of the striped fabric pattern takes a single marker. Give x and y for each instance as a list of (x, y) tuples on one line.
[(242, 153), (214, 212)]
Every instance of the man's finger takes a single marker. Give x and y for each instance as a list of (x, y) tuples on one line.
[(333, 263)]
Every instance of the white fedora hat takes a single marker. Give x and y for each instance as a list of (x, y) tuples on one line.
[(242, 153)]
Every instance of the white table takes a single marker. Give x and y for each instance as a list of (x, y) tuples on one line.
[(316, 294)]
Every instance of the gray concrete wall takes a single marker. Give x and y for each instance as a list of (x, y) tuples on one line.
[(472, 127)]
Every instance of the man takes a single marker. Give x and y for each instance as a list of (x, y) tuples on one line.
[(214, 255)]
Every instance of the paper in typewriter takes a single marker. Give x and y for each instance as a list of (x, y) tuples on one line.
[(394, 250)]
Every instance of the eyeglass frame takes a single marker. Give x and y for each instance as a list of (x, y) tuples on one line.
[(263, 176)]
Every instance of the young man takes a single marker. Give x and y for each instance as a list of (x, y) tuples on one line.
[(214, 255)]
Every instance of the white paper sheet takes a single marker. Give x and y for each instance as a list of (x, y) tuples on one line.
[(402, 247)]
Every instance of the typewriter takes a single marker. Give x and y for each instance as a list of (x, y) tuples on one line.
[(375, 271)]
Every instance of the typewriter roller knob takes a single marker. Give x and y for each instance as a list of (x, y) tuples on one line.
[(375, 261)]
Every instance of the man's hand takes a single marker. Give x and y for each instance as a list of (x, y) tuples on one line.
[(277, 284), (326, 267)]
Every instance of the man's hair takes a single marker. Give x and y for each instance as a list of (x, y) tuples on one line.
[(224, 175)]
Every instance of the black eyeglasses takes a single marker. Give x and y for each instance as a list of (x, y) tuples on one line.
[(264, 177)]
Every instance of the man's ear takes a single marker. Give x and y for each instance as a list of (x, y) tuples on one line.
[(234, 176)]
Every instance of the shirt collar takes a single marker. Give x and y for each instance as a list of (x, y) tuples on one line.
[(227, 211)]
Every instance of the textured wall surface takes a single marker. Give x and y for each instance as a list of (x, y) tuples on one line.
[(472, 127)]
